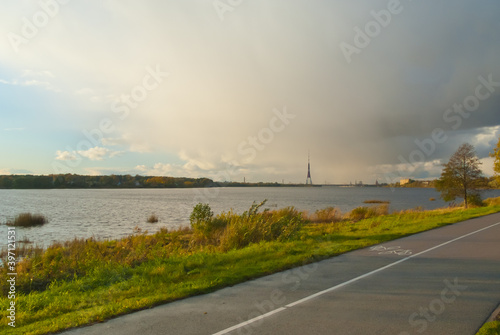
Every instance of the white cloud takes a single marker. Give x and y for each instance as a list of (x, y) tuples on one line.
[(487, 137), (161, 169), (202, 161), (112, 141), (133, 142), (93, 171), (89, 94), (195, 168), (487, 166), (65, 156), (84, 91), (45, 84), (32, 82), (35, 82), (391, 173), (142, 168), (32, 73), (94, 154), (100, 171), (98, 153)]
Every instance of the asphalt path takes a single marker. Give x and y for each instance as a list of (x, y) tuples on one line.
[(443, 281)]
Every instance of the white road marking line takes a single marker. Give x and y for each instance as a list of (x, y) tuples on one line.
[(260, 317), (333, 288)]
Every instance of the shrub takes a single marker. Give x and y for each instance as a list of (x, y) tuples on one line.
[(253, 227), (201, 213), (153, 218), (254, 209), (329, 214), (206, 228), (492, 201), (382, 210), (361, 213), (28, 220), (282, 225), (474, 200), (229, 230)]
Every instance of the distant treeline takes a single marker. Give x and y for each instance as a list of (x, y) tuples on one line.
[(112, 181), (116, 181)]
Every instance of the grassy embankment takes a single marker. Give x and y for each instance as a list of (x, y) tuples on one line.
[(86, 281), (490, 328)]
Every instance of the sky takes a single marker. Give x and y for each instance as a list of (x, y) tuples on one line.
[(239, 89)]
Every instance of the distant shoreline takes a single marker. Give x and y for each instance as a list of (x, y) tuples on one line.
[(74, 181)]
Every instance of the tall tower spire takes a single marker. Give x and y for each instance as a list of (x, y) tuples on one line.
[(308, 179)]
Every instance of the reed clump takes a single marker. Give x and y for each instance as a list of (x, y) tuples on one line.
[(361, 213), (329, 214), (153, 218), (28, 220), (334, 215), (492, 201), (376, 202)]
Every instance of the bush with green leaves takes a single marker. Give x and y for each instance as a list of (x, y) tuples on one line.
[(206, 228), (229, 230), (475, 200)]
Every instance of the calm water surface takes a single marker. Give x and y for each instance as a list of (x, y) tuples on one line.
[(114, 213)]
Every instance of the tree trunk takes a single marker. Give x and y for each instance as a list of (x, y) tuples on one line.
[(465, 198)]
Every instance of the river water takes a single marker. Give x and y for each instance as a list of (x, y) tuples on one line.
[(114, 213)]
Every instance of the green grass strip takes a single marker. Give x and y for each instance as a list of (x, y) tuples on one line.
[(490, 328)]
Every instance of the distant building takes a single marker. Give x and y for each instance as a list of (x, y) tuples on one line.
[(404, 181)]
